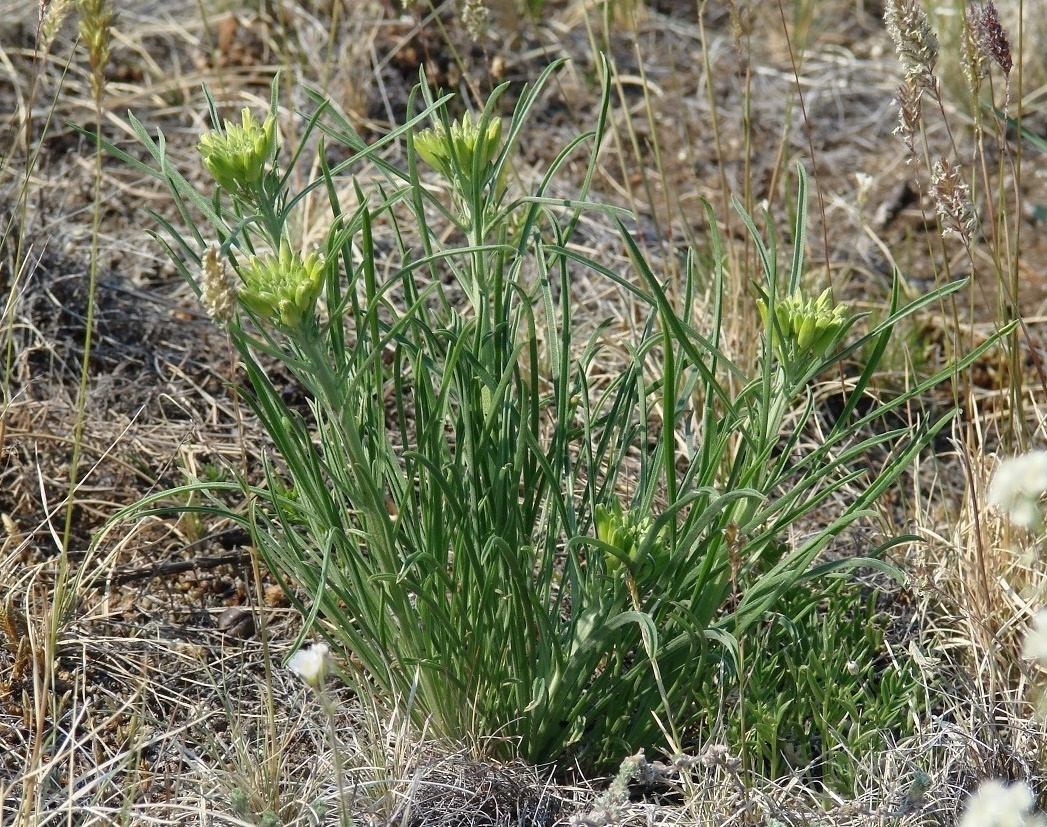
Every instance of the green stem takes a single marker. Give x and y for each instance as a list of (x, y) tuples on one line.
[(85, 364), (274, 226), (344, 819), (339, 405)]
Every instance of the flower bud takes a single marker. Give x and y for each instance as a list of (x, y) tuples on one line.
[(626, 532), (237, 157), (466, 150), (805, 328), (283, 288)]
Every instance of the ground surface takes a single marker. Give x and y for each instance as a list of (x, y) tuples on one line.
[(160, 686)]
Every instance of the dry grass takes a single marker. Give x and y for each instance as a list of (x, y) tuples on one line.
[(127, 703)]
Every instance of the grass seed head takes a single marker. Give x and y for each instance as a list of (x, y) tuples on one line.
[(992, 38), (910, 112), (217, 286), (952, 200), (975, 61), (52, 15), (96, 25), (476, 18), (915, 41)]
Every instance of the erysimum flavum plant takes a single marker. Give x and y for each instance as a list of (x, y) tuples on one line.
[(451, 510)]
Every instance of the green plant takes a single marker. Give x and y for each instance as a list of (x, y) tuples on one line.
[(450, 539), (820, 689)]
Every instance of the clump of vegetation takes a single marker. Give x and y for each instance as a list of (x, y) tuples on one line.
[(455, 472), (820, 687)]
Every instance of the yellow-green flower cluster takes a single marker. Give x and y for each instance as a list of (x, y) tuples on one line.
[(625, 531), (237, 156), (283, 288), (467, 149), (805, 327)]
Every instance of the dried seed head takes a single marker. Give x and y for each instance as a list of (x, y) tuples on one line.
[(14, 632), (910, 110), (52, 16), (96, 24), (916, 43), (12, 623), (476, 18), (952, 200), (217, 286), (975, 61), (992, 39)]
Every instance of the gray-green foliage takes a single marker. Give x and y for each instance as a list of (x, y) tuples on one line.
[(822, 692), (432, 512)]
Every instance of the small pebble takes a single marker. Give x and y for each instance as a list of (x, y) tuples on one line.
[(236, 622)]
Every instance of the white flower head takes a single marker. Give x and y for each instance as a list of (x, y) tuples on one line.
[(865, 183), (1035, 646), (310, 664), (1017, 487), (995, 804)]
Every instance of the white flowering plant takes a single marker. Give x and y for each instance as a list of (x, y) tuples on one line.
[(1017, 491), (996, 804), (453, 507), (1018, 487), (311, 664)]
